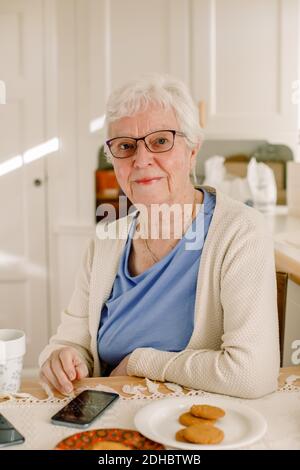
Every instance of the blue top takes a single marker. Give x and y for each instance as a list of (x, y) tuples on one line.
[(155, 309)]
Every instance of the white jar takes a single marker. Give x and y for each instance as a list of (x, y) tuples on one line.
[(12, 350)]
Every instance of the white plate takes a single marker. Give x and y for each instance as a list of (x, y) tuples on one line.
[(159, 421)]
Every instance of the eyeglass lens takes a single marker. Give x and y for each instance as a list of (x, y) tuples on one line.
[(156, 142)]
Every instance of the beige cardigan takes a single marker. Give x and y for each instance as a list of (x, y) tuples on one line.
[(234, 348)]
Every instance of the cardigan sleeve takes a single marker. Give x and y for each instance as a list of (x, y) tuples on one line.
[(73, 330), (247, 363)]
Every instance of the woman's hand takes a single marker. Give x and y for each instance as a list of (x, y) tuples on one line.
[(63, 367), (121, 369)]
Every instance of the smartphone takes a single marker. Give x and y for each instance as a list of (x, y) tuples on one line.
[(83, 409), (9, 436)]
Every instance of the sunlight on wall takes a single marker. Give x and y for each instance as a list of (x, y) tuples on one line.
[(97, 124), (42, 150)]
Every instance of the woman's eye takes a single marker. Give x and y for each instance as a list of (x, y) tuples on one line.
[(125, 146), (161, 141)]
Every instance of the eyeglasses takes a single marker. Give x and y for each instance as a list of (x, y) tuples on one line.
[(155, 142)]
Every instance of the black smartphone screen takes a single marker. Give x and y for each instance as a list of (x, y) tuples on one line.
[(8, 434), (84, 408)]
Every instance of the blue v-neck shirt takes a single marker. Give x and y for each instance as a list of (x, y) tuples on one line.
[(155, 309)]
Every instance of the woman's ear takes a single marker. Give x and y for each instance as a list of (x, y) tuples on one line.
[(193, 161), (193, 176), (193, 156)]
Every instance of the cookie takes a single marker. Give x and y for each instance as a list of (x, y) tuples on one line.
[(179, 436), (203, 434), (207, 412), (108, 445), (187, 419)]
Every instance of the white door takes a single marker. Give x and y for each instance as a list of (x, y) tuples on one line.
[(23, 273)]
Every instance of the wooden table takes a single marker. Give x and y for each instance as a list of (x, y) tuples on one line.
[(34, 388)]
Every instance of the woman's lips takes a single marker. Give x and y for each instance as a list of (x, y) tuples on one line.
[(147, 180)]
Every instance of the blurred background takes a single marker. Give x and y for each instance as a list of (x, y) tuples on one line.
[(59, 60)]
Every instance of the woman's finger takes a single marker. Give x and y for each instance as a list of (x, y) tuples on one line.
[(82, 370), (50, 377), (66, 357), (57, 369)]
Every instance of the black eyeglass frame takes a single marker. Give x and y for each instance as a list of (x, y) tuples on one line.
[(174, 132)]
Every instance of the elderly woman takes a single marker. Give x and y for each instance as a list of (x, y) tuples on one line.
[(202, 314)]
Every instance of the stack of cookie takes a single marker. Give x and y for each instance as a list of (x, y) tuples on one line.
[(199, 422)]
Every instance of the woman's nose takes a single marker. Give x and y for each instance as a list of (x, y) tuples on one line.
[(142, 157)]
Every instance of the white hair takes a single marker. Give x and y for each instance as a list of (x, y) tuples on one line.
[(164, 90)]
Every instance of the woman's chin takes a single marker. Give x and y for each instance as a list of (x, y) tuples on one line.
[(147, 196), (149, 200)]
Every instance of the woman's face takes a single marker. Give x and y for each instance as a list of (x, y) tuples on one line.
[(170, 170)]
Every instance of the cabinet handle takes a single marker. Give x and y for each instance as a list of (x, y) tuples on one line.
[(37, 182), (202, 113)]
